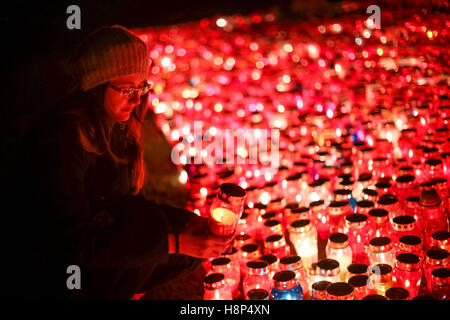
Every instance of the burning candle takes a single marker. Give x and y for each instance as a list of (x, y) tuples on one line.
[(222, 222)]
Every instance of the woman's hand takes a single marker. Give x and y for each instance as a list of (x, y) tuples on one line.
[(195, 240)]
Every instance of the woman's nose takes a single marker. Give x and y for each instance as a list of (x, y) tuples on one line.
[(135, 98)]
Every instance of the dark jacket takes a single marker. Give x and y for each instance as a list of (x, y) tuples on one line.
[(73, 207)]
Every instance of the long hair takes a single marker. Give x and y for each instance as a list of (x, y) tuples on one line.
[(95, 131)]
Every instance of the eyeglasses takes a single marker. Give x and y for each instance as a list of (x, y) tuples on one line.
[(128, 92)]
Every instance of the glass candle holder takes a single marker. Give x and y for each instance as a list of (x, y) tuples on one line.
[(338, 249), (432, 212), (248, 253), (241, 240), (298, 214), (379, 223), (337, 211), (362, 286), (294, 263), (381, 278), (258, 294), (370, 194), (356, 269), (364, 206), (340, 291), (381, 251), (390, 204), (272, 227), (276, 245), (411, 244), (256, 277), (402, 226), (408, 273), (357, 230), (226, 209), (397, 293), (273, 263), (246, 225), (328, 270), (319, 215), (405, 187), (441, 239), (286, 287), (303, 235), (440, 283), (229, 270), (318, 290), (215, 287), (434, 258)]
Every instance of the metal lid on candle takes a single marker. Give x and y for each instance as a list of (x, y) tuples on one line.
[(405, 181), (342, 194), (214, 281), (258, 294), (260, 206), (221, 261), (316, 206), (271, 259), (340, 291), (370, 194), (269, 215), (412, 202), (339, 207), (233, 254), (356, 220), (366, 176), (284, 280), (440, 276), (366, 204), (328, 267), (274, 242), (243, 239), (403, 223), (378, 215), (338, 240), (410, 243), (431, 164), (440, 238), (387, 200), (272, 224), (250, 251), (436, 257), (429, 197), (407, 262), (300, 226), (291, 263), (358, 268), (300, 213), (381, 273), (380, 244), (257, 267), (374, 297), (359, 281), (319, 289), (397, 293), (232, 193)]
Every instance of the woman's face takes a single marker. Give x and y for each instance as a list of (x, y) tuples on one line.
[(118, 105)]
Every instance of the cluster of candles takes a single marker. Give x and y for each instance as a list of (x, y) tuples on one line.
[(358, 206)]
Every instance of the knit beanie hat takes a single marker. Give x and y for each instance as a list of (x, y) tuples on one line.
[(106, 53)]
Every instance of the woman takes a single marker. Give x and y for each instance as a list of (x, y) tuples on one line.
[(82, 170)]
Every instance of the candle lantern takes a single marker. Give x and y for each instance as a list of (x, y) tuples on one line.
[(355, 269), (364, 206), (441, 239), (357, 230), (402, 226), (303, 235), (215, 287), (362, 286), (298, 214), (340, 291), (411, 244), (338, 249), (241, 240), (381, 251), (294, 263), (256, 277), (381, 278), (434, 258), (248, 252), (337, 211), (272, 263), (441, 187), (246, 225), (318, 290), (319, 215), (390, 204), (271, 227), (397, 293), (379, 223), (405, 187), (328, 270), (370, 194), (440, 283), (408, 273), (226, 209), (364, 181), (276, 245), (258, 294), (432, 212), (434, 168), (286, 287), (230, 270)]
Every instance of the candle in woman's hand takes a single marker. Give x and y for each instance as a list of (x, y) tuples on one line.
[(222, 222)]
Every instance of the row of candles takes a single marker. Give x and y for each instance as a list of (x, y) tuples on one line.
[(364, 152)]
